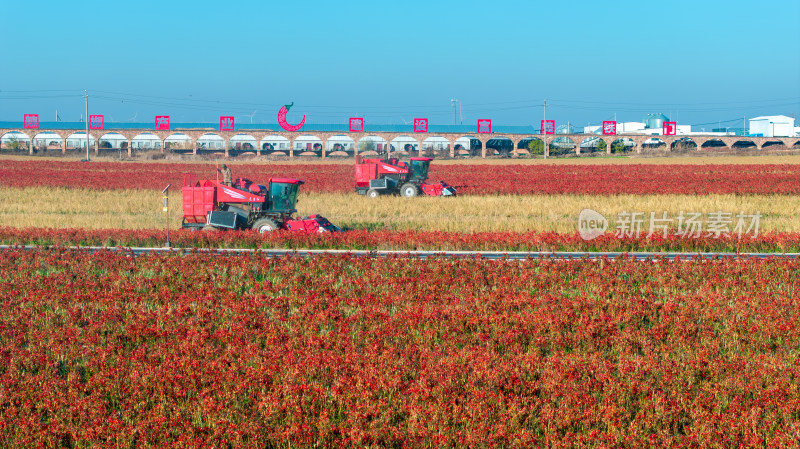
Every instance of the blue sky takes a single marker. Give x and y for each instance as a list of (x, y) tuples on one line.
[(700, 62)]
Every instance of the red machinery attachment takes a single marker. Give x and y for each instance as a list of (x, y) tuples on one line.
[(311, 224), (391, 176), (210, 204)]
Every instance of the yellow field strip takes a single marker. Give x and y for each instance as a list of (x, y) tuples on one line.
[(141, 209)]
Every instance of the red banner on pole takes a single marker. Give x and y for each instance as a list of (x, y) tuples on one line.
[(548, 127), (162, 122), (420, 125), (226, 123), (670, 128), (97, 122), (485, 126), (609, 128), (31, 121), (356, 124)]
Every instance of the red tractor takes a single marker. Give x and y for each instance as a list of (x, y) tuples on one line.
[(210, 204), (391, 176)]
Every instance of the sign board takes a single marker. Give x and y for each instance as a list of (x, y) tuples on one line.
[(609, 128), (670, 128), (97, 122), (226, 123), (31, 121), (356, 124), (548, 127), (162, 122), (485, 126), (420, 125)]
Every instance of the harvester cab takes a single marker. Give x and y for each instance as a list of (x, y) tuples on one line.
[(418, 169), (283, 194), (210, 205), (376, 177)]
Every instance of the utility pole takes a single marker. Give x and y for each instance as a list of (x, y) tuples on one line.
[(453, 102), (544, 131), (166, 209), (86, 98)]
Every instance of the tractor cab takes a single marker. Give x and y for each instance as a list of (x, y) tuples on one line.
[(418, 169), (283, 194)]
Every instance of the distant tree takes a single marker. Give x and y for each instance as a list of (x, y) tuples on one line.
[(536, 146), (14, 144), (366, 145), (601, 145), (619, 146)]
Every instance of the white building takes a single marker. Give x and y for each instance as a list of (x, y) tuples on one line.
[(772, 126), (638, 128)]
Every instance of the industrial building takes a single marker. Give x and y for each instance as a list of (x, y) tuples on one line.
[(772, 126), (652, 125)]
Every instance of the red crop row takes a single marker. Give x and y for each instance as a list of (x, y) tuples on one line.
[(109, 350), (472, 179), (400, 240), (142, 175)]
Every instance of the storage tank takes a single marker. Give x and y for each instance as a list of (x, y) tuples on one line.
[(566, 129), (655, 121)]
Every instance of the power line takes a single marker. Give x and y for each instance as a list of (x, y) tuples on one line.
[(530, 103)]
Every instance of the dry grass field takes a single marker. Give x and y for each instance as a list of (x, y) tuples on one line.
[(128, 209), (141, 209)]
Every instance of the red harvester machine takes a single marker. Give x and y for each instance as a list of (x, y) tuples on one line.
[(209, 204), (391, 176)]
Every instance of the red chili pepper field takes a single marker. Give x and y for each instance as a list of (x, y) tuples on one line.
[(191, 349), (111, 350), (472, 179)]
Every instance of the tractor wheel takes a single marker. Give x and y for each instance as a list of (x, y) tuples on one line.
[(408, 190), (209, 228), (265, 225), (372, 193)]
